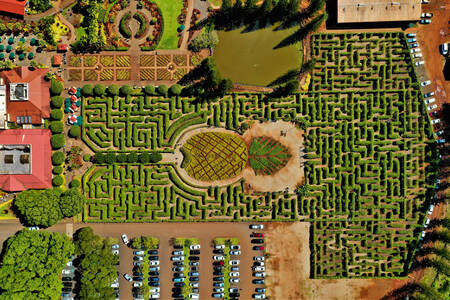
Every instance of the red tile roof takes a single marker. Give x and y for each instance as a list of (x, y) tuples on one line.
[(41, 162), (38, 105), (56, 60), (62, 47), (13, 6)]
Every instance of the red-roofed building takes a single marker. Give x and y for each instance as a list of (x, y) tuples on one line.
[(13, 7), (62, 47), (25, 159), (56, 60), (26, 95)]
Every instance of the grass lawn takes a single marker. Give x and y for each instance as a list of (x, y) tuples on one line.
[(170, 10), (80, 31)]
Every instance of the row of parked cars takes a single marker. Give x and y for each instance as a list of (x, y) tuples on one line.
[(138, 275), (179, 277), (218, 268), (258, 268), (68, 274)]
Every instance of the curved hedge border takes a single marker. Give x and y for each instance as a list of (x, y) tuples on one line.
[(143, 24), (123, 27)]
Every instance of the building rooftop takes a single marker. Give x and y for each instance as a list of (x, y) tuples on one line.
[(15, 159), (358, 11), (13, 6)]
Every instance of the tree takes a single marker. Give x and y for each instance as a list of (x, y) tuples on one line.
[(57, 180), (206, 39), (99, 158), (57, 101), (40, 5), (72, 202), (57, 141), (250, 10), (163, 90), (57, 127), (144, 158), (265, 10), (113, 90), (87, 90), (32, 263), (126, 90), (236, 13), (132, 157), (155, 157), (136, 243), (150, 243), (75, 131), (149, 89), (56, 87), (175, 89), (58, 158), (122, 158), (56, 114), (99, 89), (110, 158), (39, 207)]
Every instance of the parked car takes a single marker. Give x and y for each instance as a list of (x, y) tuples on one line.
[(138, 252), (178, 269), (258, 281), (194, 247), (434, 106), (256, 248), (426, 15), (257, 241), (258, 258), (235, 247), (115, 251), (138, 274), (179, 284), (429, 101), (428, 94), (138, 258), (34, 228), (234, 262), (115, 284), (413, 40), (66, 271), (194, 263), (219, 251), (411, 35), (234, 280), (258, 263), (127, 277), (234, 274), (178, 275), (441, 141), (177, 258), (137, 284), (440, 132), (235, 252), (425, 83), (234, 268), (218, 284), (219, 247), (419, 63), (193, 273), (414, 45), (257, 226), (194, 279), (259, 296), (218, 273), (153, 279), (260, 290), (417, 55), (154, 263), (234, 295), (154, 296), (153, 284), (259, 274), (178, 263), (194, 269), (155, 290), (218, 295), (257, 234), (153, 273), (153, 252), (66, 278), (425, 21), (220, 278), (137, 263), (115, 246), (138, 278), (194, 252), (218, 257), (194, 284), (194, 258), (178, 252), (153, 269), (153, 257), (443, 48), (259, 269), (425, 1), (218, 290), (178, 279), (125, 239)]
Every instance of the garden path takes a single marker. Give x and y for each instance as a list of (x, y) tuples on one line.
[(187, 23), (57, 7), (70, 26)]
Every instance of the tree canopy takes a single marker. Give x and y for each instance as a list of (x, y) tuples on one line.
[(32, 263)]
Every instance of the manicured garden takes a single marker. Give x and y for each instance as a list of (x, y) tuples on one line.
[(267, 156), (170, 10)]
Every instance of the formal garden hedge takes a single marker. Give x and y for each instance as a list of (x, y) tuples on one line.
[(371, 157)]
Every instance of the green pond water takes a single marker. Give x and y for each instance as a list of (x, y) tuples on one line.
[(249, 58)]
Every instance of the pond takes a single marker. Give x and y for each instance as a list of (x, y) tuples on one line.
[(249, 58)]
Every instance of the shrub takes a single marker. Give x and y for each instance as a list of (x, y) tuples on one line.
[(162, 90), (56, 114), (58, 158), (123, 26), (132, 157), (149, 89), (99, 89), (57, 141), (75, 131), (57, 127), (57, 180), (110, 158), (57, 170), (75, 183), (155, 157), (175, 89), (56, 87), (57, 101), (87, 90), (87, 158), (121, 158), (99, 158), (144, 158), (113, 90), (126, 90)]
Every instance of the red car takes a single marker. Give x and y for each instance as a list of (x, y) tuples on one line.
[(258, 247), (256, 234)]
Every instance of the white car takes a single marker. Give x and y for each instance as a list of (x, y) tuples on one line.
[(411, 35), (259, 269), (426, 15), (415, 50), (258, 258), (259, 264), (234, 262), (235, 247), (194, 247), (66, 271), (218, 257), (194, 284), (235, 252), (259, 296), (434, 106), (194, 296), (440, 132), (154, 296), (33, 228), (115, 246), (429, 101), (234, 274), (257, 226), (219, 290), (234, 280), (259, 274), (115, 251), (154, 263), (125, 239), (428, 94), (127, 277), (138, 258), (425, 83), (417, 55), (425, 1), (177, 258), (419, 63), (444, 49), (137, 284), (69, 263), (233, 290), (430, 210), (115, 284), (219, 247), (138, 252), (155, 290), (435, 121)]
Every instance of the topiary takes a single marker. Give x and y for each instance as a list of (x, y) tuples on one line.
[(57, 180), (56, 87), (87, 90), (149, 89), (155, 157), (132, 157), (99, 89), (76, 183), (144, 158), (57, 101), (126, 90), (113, 90), (75, 131), (163, 89), (57, 127), (56, 114), (110, 158), (175, 89), (57, 170), (121, 158), (57, 141), (58, 158), (99, 158)]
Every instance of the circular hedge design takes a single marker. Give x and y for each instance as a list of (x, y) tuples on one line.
[(210, 156)]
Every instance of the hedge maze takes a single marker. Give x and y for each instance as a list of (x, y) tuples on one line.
[(370, 157)]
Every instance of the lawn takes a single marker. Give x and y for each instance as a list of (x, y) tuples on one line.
[(170, 10)]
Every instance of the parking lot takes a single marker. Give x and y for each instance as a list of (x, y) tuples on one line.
[(205, 233)]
